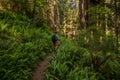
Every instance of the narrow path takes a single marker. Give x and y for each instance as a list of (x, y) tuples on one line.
[(39, 72)]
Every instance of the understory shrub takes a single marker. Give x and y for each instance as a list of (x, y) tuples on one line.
[(85, 61), (70, 63), (22, 46)]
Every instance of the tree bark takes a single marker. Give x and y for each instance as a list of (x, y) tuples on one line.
[(55, 12), (116, 25), (82, 14), (49, 14), (33, 12)]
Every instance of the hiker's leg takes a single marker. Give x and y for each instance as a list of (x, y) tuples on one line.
[(56, 45)]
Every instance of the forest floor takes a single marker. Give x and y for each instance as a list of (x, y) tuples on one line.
[(39, 71)]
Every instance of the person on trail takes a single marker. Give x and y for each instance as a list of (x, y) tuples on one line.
[(55, 37), (55, 40)]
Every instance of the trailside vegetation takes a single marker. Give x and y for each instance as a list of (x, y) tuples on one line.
[(89, 59), (22, 46), (88, 39)]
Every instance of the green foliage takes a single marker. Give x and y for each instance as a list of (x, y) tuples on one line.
[(98, 14), (70, 63), (12, 19), (99, 10), (22, 6), (112, 70), (102, 52), (88, 60), (93, 41), (22, 46)]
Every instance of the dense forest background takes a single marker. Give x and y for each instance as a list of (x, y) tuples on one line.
[(89, 39)]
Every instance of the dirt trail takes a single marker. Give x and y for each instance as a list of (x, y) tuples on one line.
[(38, 73)]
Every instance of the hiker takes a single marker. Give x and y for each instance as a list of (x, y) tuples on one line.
[(55, 40)]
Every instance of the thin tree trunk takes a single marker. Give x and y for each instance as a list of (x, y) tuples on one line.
[(82, 14), (116, 20), (55, 27), (34, 9), (55, 12), (87, 16)]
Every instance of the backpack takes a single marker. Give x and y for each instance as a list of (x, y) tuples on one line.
[(54, 37)]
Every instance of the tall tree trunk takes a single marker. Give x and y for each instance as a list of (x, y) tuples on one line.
[(49, 14), (55, 12), (116, 26), (55, 15), (82, 14), (33, 12), (87, 17)]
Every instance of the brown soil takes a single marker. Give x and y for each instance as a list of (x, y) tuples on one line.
[(39, 72)]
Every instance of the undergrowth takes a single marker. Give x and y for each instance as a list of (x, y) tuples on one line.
[(89, 59), (22, 46)]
